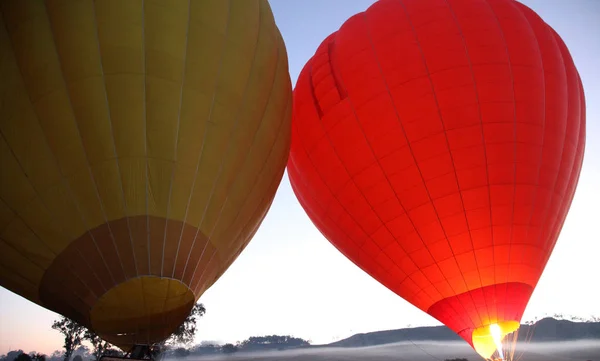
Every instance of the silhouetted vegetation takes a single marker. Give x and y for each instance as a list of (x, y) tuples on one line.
[(114, 352), (35, 356), (229, 348), (23, 357), (185, 333), (181, 352), (73, 333), (100, 346), (262, 343)]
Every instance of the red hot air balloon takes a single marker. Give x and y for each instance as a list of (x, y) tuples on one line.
[(438, 144)]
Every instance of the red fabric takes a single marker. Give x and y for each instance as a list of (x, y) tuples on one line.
[(438, 144), (465, 312)]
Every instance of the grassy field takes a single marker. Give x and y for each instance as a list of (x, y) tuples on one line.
[(423, 351)]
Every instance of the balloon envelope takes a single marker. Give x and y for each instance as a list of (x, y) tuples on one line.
[(438, 144), (142, 145)]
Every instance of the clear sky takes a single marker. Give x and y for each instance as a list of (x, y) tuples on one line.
[(290, 280)]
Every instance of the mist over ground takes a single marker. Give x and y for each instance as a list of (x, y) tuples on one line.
[(421, 351)]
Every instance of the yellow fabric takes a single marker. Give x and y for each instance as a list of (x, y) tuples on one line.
[(141, 303), (483, 341), (119, 108)]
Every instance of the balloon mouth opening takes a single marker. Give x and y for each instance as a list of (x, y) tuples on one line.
[(490, 340)]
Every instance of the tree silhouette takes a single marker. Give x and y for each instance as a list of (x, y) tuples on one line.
[(100, 346), (23, 357), (184, 334), (229, 348), (73, 333), (36, 356), (182, 352)]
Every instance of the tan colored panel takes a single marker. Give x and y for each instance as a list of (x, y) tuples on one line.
[(118, 317), (107, 176), (234, 71), (18, 190), (180, 257), (40, 220), (16, 283), (166, 42), (29, 244), (96, 263), (33, 46), (248, 118), (264, 158), (18, 122), (6, 215), (11, 258)]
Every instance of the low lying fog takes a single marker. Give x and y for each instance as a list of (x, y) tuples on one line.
[(422, 351)]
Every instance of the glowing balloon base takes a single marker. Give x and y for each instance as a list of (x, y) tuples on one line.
[(489, 339)]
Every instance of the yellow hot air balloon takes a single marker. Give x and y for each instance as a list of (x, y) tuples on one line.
[(141, 146)]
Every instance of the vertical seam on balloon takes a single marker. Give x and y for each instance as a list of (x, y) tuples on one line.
[(145, 159), (177, 143), (23, 170), (174, 165), (89, 168), (414, 31), (97, 297), (579, 152), (63, 179), (114, 147), (541, 157), (514, 150), (545, 212), (229, 145), (487, 172), (16, 214), (335, 196), (335, 73), (308, 191), (183, 72), (258, 177), (258, 204), (204, 137), (566, 197), (351, 179), (312, 92), (113, 142)]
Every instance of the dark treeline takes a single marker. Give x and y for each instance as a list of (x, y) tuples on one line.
[(254, 343)]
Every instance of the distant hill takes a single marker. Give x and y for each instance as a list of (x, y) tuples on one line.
[(547, 329)]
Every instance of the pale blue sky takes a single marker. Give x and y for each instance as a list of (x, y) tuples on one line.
[(290, 280)]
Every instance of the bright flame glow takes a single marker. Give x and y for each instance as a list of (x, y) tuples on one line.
[(496, 332)]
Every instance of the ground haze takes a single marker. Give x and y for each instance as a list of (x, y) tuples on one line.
[(422, 351)]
